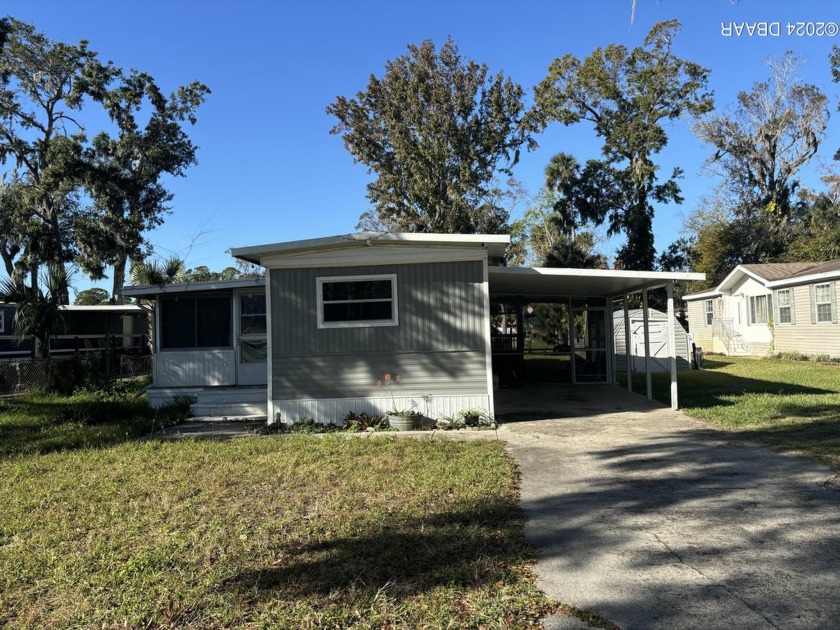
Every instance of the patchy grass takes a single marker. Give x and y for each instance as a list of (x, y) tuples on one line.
[(41, 423), (286, 532), (790, 405)]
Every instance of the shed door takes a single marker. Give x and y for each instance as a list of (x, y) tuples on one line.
[(658, 331)]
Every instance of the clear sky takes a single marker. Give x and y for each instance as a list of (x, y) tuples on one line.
[(269, 170)]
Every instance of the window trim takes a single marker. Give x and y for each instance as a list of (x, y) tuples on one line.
[(319, 283), (830, 304), (780, 306), (709, 311)]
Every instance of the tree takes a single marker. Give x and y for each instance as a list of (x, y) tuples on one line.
[(38, 313), (92, 297), (818, 237), (124, 171), (157, 272), (760, 145), (39, 136), (202, 273), (434, 130), (627, 95)]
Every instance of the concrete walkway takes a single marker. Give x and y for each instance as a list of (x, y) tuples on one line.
[(654, 520)]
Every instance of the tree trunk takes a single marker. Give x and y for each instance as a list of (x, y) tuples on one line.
[(33, 276), (119, 280)]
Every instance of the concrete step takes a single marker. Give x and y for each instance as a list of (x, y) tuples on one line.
[(232, 408)]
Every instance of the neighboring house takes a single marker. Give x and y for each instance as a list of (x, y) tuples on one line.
[(86, 329), (772, 307), (658, 335), (334, 315)]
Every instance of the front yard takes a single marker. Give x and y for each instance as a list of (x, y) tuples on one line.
[(790, 405), (100, 530)]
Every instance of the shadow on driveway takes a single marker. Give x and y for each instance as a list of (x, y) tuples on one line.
[(655, 520)]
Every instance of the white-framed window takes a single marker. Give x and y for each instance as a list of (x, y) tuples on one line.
[(760, 307), (824, 302), (709, 311), (784, 302), (357, 301)]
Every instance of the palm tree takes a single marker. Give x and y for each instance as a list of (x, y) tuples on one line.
[(158, 272), (39, 312)]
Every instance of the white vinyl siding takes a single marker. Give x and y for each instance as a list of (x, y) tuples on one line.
[(784, 307)]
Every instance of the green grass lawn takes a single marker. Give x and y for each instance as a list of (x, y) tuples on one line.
[(291, 532), (790, 405)]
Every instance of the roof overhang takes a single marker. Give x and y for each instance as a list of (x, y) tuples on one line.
[(193, 287), (736, 276), (543, 283), (702, 295), (827, 276), (495, 244)]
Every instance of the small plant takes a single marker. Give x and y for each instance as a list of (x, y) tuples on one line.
[(476, 418), (356, 422), (450, 424), (306, 426), (389, 383)]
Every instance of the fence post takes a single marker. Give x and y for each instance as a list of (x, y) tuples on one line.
[(107, 353)]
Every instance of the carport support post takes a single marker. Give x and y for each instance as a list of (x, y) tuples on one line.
[(647, 344), (672, 344), (628, 355)]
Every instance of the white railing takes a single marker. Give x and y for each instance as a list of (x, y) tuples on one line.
[(732, 340)]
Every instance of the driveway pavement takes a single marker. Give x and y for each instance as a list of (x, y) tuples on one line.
[(654, 520)]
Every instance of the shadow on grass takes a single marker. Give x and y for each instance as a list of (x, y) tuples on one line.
[(36, 424), (476, 546), (702, 389)]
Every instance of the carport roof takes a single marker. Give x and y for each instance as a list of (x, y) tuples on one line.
[(534, 283)]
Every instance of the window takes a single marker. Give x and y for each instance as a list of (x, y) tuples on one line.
[(252, 314), (824, 302), (785, 305), (195, 322), (253, 346), (357, 301), (710, 312), (760, 307)]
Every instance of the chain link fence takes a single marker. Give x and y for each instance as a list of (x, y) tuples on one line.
[(20, 375)]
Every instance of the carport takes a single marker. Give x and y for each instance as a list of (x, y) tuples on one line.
[(591, 295)]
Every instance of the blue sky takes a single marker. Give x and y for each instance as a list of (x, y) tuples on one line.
[(269, 170)]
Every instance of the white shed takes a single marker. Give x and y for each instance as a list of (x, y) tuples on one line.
[(658, 332)]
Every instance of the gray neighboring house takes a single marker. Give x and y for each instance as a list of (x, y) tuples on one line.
[(333, 315), (759, 308)]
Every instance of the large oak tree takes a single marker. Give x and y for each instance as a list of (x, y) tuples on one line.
[(628, 96), (435, 131)]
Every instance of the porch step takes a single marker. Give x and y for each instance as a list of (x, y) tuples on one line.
[(230, 402)]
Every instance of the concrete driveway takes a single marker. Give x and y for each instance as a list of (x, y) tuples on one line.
[(654, 520)]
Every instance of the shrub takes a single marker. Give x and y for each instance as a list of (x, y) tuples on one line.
[(354, 422)]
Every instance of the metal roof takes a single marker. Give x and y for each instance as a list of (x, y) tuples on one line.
[(192, 287), (496, 244), (534, 283)]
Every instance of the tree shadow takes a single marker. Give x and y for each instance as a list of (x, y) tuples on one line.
[(670, 528), (41, 425), (477, 545)]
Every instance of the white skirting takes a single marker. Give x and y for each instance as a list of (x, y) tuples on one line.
[(327, 410)]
